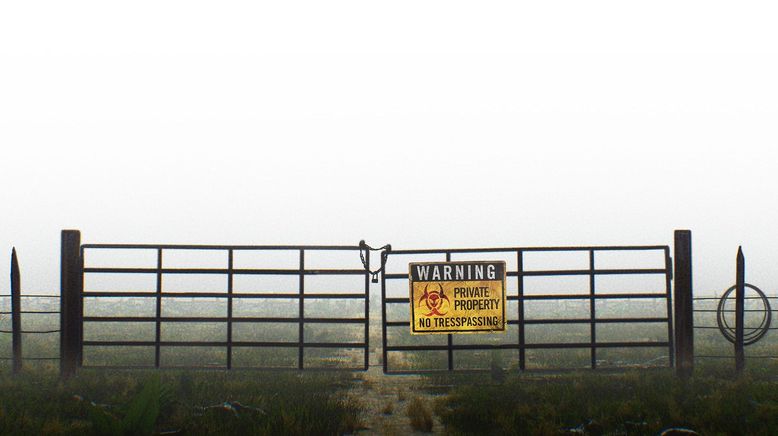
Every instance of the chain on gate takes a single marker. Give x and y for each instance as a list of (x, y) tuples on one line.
[(366, 248)]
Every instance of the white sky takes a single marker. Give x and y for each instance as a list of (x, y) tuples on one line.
[(420, 123)]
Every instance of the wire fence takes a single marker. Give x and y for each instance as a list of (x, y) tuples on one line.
[(20, 311), (713, 316)]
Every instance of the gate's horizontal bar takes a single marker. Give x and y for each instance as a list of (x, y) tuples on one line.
[(31, 358), (236, 295), (437, 371), (242, 271), (586, 272), (528, 249), (334, 320), (589, 296), (31, 331), (569, 272), (335, 345), (224, 344), (222, 319), (219, 368), (719, 298), (558, 321), (537, 371), (561, 297), (588, 320), (398, 323), (40, 358), (32, 296), (335, 296), (150, 343), (264, 344), (453, 347), (219, 247), (526, 346), (390, 276), (397, 300), (601, 345), (725, 310)]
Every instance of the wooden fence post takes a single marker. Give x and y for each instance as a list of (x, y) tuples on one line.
[(71, 285), (740, 293), (684, 315), (16, 313)]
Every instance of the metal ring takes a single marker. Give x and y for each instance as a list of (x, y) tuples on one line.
[(754, 333)]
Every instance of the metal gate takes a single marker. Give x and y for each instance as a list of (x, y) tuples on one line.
[(394, 294), (293, 293), (599, 290)]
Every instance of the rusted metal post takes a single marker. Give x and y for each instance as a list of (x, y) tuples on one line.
[(366, 364), (684, 316), (740, 293), (522, 331), (16, 313), (230, 287), (301, 315), (158, 313), (592, 313), (384, 352), (450, 336), (71, 309)]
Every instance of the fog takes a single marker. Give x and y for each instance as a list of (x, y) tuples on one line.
[(435, 124)]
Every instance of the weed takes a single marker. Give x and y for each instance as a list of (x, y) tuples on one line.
[(109, 403), (639, 402), (420, 414)]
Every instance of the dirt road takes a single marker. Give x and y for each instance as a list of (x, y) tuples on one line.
[(387, 398)]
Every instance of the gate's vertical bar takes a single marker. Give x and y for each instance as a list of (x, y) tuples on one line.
[(158, 317), (301, 311), (16, 313), (669, 304), (522, 338), (71, 309), (384, 353), (592, 313), (450, 336), (740, 293), (367, 310), (229, 307), (684, 315), (80, 332)]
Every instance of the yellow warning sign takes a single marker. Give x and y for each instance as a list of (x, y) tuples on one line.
[(457, 297)]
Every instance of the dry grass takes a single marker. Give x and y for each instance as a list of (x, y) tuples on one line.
[(420, 414)]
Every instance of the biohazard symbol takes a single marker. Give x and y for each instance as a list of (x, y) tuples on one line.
[(436, 301)]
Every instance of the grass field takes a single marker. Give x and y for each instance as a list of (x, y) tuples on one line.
[(633, 403), (638, 398), (201, 403)]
